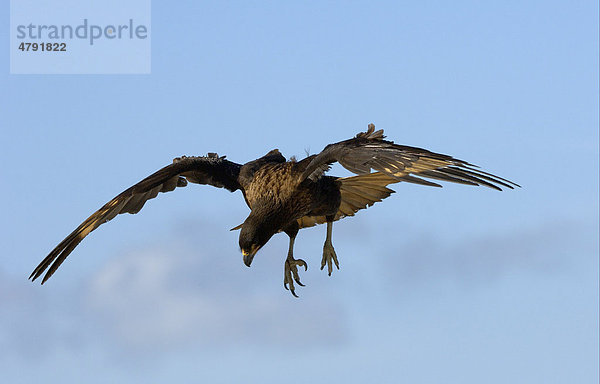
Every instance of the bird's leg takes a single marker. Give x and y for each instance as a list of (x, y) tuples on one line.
[(329, 256), (290, 267)]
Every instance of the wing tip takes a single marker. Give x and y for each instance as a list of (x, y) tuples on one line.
[(46, 277), (36, 274)]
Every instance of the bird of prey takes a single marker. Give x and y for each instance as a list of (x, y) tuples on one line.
[(287, 195)]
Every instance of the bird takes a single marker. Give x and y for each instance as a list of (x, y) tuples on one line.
[(289, 195)]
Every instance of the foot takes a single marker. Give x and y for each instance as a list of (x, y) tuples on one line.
[(329, 258), (290, 273)]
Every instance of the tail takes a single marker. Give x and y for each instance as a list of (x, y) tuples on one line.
[(358, 192)]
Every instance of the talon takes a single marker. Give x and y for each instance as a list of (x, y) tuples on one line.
[(296, 276), (302, 263), (287, 281), (290, 274), (329, 258), (329, 266)]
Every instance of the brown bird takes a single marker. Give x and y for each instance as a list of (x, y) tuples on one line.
[(290, 195)]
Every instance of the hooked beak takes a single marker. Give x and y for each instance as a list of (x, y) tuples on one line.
[(249, 255)]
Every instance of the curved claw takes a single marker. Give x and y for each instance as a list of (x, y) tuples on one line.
[(291, 288), (290, 274), (302, 263), (329, 258)]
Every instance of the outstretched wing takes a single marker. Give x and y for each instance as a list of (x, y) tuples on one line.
[(368, 150), (212, 170)]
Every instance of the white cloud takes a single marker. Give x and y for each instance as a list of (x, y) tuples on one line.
[(154, 299), (163, 299)]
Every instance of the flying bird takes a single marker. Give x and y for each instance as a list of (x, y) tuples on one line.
[(288, 195)]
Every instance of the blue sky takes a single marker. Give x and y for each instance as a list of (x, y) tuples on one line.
[(460, 285)]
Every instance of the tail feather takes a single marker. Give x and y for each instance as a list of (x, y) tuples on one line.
[(358, 192)]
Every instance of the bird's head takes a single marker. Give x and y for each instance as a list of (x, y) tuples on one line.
[(253, 236)]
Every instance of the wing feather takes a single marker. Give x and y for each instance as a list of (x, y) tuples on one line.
[(368, 152), (211, 170), (357, 192)]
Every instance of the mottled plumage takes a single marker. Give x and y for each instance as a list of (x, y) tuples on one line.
[(290, 195)]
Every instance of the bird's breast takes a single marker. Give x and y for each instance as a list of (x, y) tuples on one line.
[(272, 183), (275, 189)]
